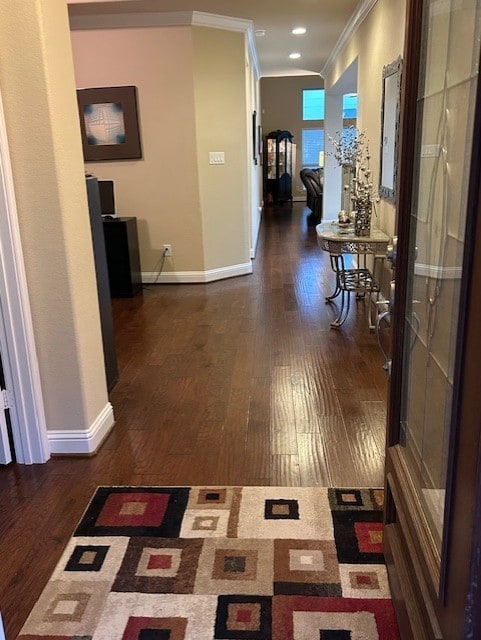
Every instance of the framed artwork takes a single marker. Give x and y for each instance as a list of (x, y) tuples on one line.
[(254, 136), (109, 123), (390, 110), (259, 142)]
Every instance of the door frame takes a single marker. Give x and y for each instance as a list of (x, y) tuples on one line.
[(17, 343), (436, 597)]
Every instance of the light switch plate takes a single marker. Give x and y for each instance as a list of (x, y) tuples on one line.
[(216, 157)]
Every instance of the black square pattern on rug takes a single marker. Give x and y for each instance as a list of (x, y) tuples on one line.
[(153, 628), (154, 634), (356, 499), (212, 496), (135, 511), (235, 564), (281, 510), (335, 634), (243, 618), (87, 558), (359, 536)]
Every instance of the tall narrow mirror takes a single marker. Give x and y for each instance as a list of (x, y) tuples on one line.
[(391, 86)]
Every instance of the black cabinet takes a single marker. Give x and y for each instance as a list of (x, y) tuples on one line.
[(123, 259), (103, 290), (278, 167)]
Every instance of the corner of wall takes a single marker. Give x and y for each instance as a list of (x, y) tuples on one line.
[(83, 442)]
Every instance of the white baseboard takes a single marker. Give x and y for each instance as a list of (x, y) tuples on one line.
[(192, 277), (83, 442)]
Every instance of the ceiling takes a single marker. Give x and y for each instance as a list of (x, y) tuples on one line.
[(324, 20)]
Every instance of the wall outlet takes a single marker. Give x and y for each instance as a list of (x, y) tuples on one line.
[(167, 249)]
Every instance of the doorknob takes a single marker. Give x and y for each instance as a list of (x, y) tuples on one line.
[(384, 316), (391, 253)]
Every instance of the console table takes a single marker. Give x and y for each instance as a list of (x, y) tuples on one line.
[(360, 280)]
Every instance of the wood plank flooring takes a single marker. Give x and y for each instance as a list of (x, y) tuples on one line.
[(240, 381)]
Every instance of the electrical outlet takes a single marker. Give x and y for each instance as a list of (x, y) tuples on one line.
[(167, 249)]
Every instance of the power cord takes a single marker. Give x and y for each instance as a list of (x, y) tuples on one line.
[(161, 260)]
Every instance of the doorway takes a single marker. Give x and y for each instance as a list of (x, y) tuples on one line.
[(6, 448), (17, 344)]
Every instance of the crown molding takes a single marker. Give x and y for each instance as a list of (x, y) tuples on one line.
[(131, 20), (214, 21), (361, 12), (170, 19), (158, 19)]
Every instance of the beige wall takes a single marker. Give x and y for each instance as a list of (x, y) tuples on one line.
[(281, 100), (377, 42), (220, 114), (161, 189), (191, 100), (36, 80)]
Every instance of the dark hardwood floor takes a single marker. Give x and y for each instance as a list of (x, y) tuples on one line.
[(240, 381)]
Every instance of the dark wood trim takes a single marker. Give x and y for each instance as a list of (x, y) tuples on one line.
[(399, 576), (454, 596), (405, 162), (464, 474)]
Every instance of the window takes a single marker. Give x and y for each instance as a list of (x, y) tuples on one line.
[(313, 106), (349, 111), (312, 147), (349, 106)]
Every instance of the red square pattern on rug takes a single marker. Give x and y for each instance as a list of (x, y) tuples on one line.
[(369, 536), (159, 561), (284, 607), (133, 510)]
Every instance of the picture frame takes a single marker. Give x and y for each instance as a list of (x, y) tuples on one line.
[(259, 143), (109, 123), (390, 112), (254, 137)]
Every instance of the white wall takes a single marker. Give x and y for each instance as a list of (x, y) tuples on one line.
[(378, 41)]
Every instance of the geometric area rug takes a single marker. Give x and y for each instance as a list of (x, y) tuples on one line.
[(221, 563)]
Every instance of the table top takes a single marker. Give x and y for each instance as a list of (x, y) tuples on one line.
[(330, 230)]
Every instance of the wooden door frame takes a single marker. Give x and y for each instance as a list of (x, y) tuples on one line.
[(455, 601)]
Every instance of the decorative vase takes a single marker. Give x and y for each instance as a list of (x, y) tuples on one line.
[(362, 219)]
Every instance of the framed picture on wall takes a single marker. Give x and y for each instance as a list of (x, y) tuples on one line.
[(109, 123), (254, 136)]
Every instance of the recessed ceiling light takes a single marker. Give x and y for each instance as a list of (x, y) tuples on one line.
[(294, 56), (260, 32), (299, 31)]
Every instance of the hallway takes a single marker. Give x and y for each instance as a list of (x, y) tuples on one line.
[(240, 381)]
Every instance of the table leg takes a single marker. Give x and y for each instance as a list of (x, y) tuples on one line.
[(335, 266), (343, 311)]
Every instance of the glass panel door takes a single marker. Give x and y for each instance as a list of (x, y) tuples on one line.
[(445, 113), (282, 157)]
